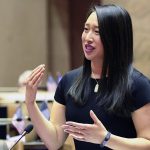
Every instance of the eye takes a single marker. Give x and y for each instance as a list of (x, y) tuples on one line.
[(97, 32), (86, 29)]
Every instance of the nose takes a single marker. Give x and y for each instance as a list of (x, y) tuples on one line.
[(89, 37)]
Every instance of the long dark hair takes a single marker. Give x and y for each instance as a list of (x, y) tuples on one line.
[(115, 29)]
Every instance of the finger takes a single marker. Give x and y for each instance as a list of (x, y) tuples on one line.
[(94, 118), (78, 125), (79, 138), (42, 65), (39, 80), (73, 129), (35, 71), (33, 79), (75, 132), (37, 77), (69, 126)]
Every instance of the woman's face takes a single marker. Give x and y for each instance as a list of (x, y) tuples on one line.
[(91, 42)]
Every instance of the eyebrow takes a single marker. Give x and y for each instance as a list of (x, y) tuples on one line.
[(95, 26)]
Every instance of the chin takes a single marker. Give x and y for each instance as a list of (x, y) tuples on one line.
[(88, 57)]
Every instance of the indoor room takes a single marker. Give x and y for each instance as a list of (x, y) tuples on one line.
[(41, 42)]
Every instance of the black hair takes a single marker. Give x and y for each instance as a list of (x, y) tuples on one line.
[(115, 29)]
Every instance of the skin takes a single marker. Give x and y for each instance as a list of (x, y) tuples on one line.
[(91, 36), (53, 135), (54, 132)]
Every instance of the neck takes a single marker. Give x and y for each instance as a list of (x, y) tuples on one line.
[(96, 70)]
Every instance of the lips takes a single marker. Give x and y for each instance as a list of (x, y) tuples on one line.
[(89, 48)]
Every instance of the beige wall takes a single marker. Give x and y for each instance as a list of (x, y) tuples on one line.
[(22, 37), (24, 41), (140, 14), (59, 36), (27, 39)]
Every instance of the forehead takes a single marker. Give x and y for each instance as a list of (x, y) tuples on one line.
[(92, 19)]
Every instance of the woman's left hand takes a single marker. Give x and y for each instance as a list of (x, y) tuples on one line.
[(93, 133)]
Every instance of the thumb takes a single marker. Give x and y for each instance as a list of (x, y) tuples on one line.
[(94, 117)]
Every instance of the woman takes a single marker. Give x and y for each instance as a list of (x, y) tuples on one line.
[(105, 104)]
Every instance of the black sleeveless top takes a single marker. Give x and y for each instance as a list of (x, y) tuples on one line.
[(116, 124)]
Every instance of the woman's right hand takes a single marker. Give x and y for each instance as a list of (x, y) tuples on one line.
[(32, 83)]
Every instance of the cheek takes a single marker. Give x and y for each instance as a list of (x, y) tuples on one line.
[(83, 40), (100, 43), (83, 37), (100, 47)]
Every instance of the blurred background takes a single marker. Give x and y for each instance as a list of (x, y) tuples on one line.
[(34, 32)]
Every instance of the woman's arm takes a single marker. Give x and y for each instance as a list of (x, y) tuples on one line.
[(141, 119), (50, 132), (96, 132)]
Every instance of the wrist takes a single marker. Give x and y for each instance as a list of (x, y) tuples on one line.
[(30, 103), (106, 139)]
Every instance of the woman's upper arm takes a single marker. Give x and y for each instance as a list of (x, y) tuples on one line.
[(141, 119), (58, 119)]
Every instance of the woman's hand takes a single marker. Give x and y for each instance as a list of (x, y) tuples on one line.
[(93, 133), (32, 83)]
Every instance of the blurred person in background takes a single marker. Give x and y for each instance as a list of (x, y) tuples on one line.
[(22, 80)]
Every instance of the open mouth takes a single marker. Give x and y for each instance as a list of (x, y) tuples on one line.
[(89, 48)]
